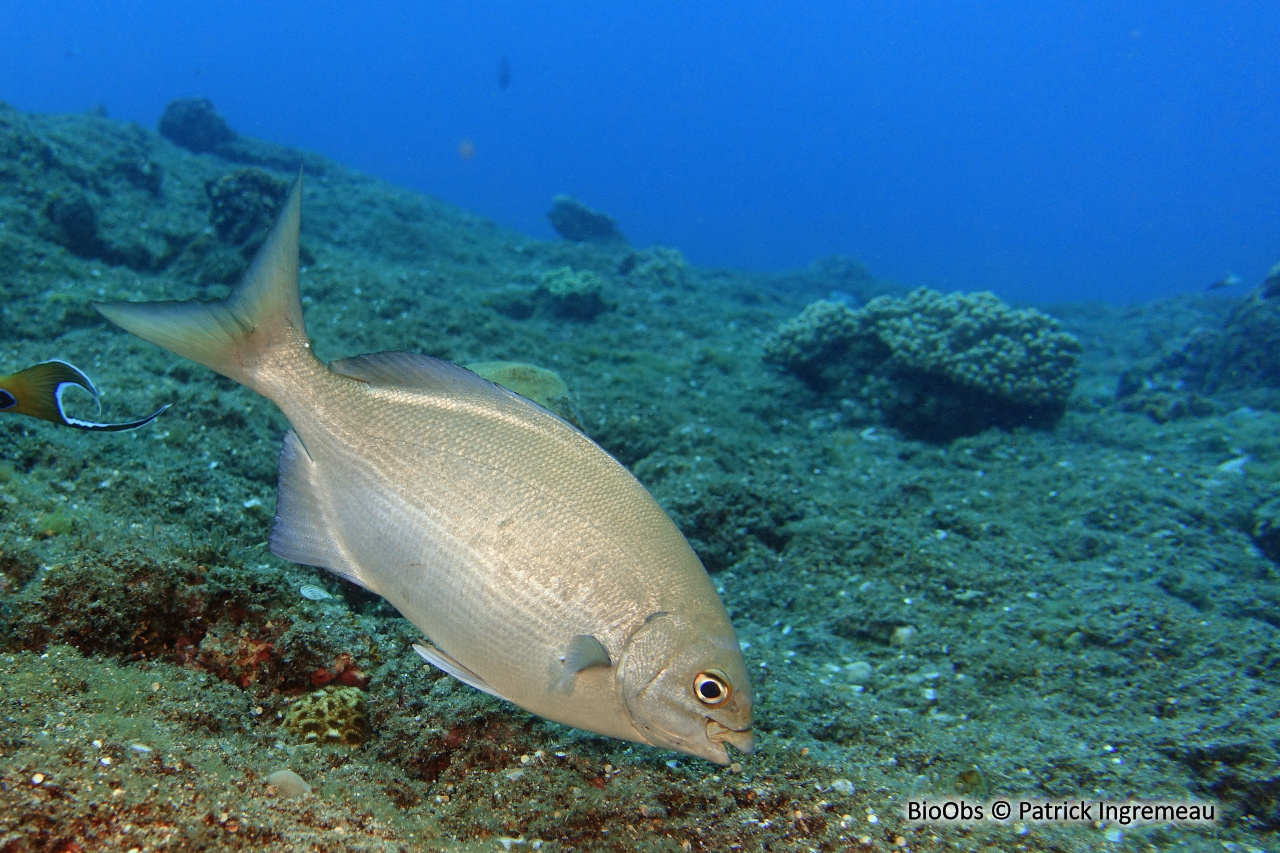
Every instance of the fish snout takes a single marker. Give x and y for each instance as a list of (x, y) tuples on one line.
[(742, 739)]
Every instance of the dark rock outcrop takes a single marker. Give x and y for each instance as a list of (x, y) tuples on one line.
[(194, 124), (574, 221)]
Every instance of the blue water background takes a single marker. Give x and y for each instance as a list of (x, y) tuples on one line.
[(1046, 150)]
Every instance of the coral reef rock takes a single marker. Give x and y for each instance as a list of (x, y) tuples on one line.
[(574, 221), (1247, 353), (934, 365), (1266, 529), (244, 203)]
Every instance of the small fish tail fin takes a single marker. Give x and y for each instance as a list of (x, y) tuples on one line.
[(37, 392), (237, 335)]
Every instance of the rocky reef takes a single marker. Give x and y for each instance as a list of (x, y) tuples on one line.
[(1236, 359), (934, 365), (655, 268)]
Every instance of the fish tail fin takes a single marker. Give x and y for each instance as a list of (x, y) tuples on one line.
[(236, 336), (37, 392)]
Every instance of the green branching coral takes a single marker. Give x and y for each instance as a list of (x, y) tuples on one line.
[(813, 345), (977, 341), (935, 364), (334, 715)]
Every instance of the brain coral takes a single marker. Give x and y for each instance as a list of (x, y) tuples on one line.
[(937, 365), (336, 715)]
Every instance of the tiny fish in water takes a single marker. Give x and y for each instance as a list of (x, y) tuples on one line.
[(37, 391), (1226, 281), (541, 571)]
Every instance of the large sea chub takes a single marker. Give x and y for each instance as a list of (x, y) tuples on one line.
[(540, 570)]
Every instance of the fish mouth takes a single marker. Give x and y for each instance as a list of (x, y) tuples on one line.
[(741, 739)]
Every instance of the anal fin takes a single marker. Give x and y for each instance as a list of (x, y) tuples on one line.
[(303, 533), (449, 666)]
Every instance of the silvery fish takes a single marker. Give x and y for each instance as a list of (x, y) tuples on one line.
[(541, 571)]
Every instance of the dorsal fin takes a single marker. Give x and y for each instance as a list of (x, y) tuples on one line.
[(413, 371), (409, 370)]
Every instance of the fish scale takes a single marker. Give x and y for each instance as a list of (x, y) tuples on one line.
[(539, 569)]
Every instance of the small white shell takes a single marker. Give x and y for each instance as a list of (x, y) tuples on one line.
[(314, 593)]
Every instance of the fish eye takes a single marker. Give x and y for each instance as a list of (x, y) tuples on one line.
[(712, 687)]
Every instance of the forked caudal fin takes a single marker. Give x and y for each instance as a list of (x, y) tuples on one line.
[(236, 335)]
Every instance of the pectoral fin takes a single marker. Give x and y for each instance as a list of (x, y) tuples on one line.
[(584, 652), (448, 665)]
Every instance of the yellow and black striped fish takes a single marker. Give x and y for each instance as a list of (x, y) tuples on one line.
[(37, 391)]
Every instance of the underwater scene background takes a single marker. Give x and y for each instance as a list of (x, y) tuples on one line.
[(972, 548), (1117, 150)]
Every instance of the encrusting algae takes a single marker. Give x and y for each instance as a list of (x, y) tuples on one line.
[(542, 386)]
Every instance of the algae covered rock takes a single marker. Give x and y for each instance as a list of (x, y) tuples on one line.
[(244, 203), (1266, 529), (815, 345), (572, 294), (242, 206), (538, 384), (1247, 351), (334, 715), (655, 268), (71, 222), (935, 365), (1229, 360)]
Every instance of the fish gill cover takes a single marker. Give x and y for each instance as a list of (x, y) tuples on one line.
[(1082, 605)]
